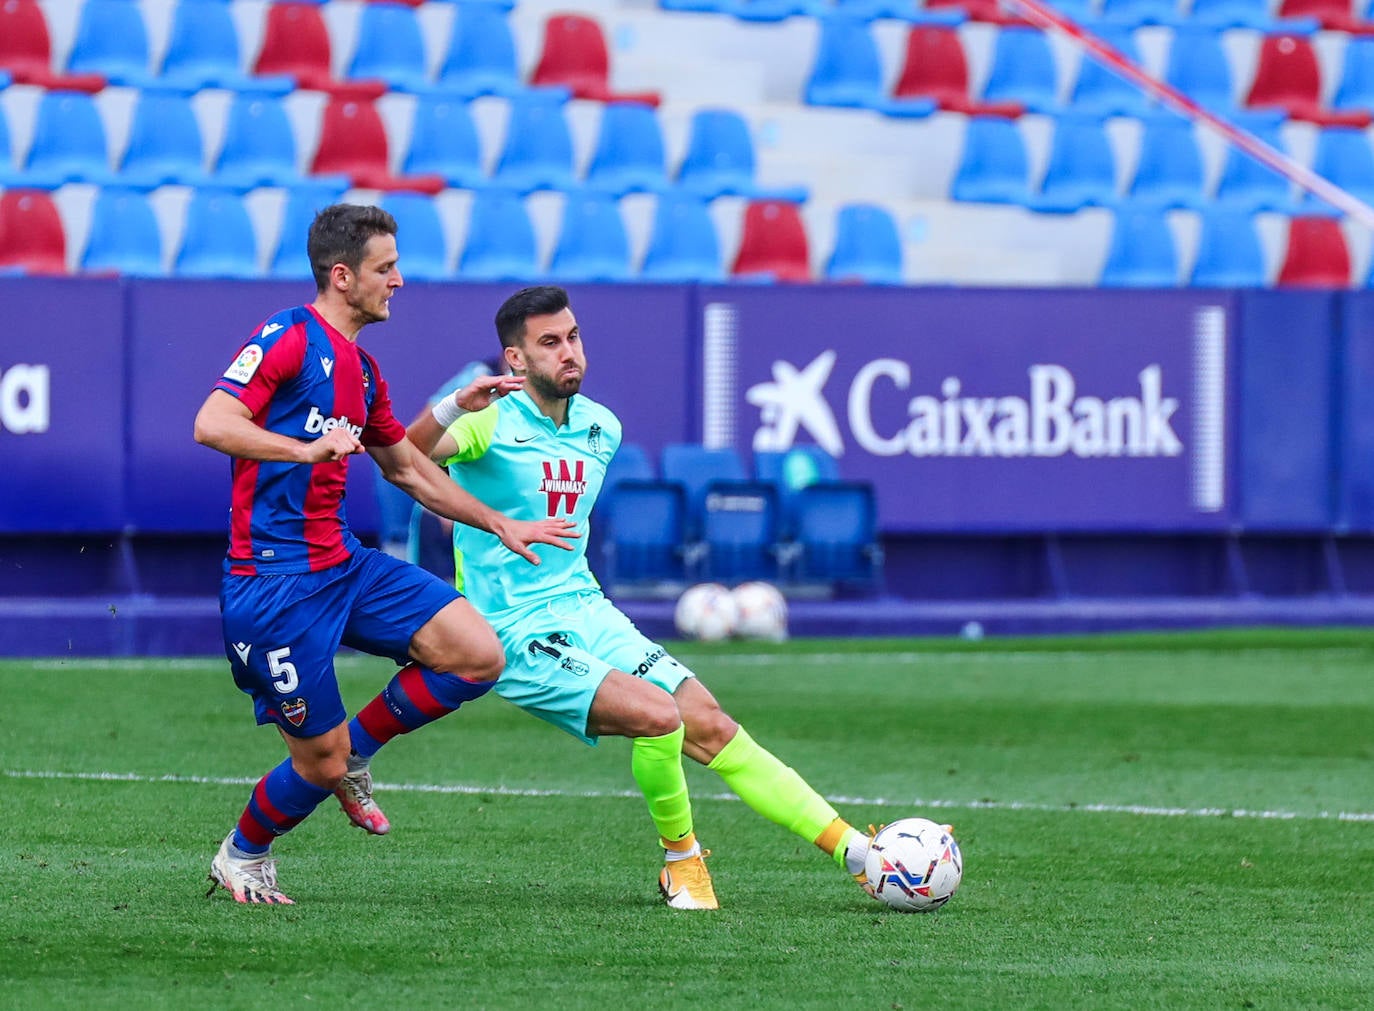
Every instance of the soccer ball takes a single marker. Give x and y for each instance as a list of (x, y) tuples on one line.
[(705, 612), (914, 865), (760, 612)]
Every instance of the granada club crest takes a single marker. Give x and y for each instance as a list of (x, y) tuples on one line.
[(594, 439), (564, 484)]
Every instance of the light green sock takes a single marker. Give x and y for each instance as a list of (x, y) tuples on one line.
[(656, 764), (772, 789)]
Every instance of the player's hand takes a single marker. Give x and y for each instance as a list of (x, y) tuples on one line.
[(483, 391), (335, 444), (518, 535)]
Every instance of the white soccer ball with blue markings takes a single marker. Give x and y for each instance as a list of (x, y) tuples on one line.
[(705, 612), (914, 865), (760, 611)]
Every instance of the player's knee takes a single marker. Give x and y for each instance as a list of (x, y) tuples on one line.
[(324, 771), (711, 730), (658, 716)]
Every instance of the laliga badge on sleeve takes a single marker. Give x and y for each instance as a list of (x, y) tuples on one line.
[(245, 364)]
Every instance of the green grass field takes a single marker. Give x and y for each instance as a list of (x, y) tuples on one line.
[(1147, 822)]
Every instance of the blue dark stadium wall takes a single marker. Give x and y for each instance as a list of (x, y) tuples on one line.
[(1042, 460)]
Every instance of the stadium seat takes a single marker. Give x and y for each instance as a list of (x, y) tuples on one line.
[(847, 72), (1247, 183), (500, 242), (538, 152), (1344, 157), (836, 534), (1023, 70), (290, 259), (1082, 168), (629, 154), (1355, 89), (165, 146), (694, 466), (592, 244), (574, 56), (1198, 67), (773, 244), (444, 142), (993, 164), (630, 463), (124, 236), (391, 47), (203, 52), (32, 237), (683, 245), (720, 159), (1141, 253), (1331, 15), (936, 68), (26, 50), (259, 146), (218, 240), (646, 534), (295, 42), (1136, 13), (790, 471), (69, 143), (1316, 255), (481, 58), (420, 234), (991, 12), (1288, 77), (1099, 90), (1219, 14), (112, 40), (10, 174), (741, 522), (353, 143), (1169, 171), (1229, 254), (867, 246)]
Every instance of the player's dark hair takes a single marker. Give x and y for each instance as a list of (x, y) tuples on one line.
[(339, 234), (542, 300)]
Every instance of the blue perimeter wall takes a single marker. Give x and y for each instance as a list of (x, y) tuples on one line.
[(1044, 460)]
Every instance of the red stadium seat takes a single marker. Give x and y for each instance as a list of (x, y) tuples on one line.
[(26, 50), (353, 143), (937, 68), (773, 243), (1317, 255), (1288, 77), (988, 11), (32, 238), (575, 56), (1333, 15), (295, 42)]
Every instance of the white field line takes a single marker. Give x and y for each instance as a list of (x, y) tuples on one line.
[(915, 803)]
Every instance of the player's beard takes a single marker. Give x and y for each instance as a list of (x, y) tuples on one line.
[(554, 388)]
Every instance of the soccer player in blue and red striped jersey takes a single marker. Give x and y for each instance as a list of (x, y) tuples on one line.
[(299, 399)]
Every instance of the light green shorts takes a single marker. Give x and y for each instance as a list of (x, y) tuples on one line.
[(558, 654)]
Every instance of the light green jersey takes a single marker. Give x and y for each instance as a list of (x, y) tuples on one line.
[(511, 457)]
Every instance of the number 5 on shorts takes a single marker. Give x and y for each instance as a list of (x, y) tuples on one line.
[(283, 670)]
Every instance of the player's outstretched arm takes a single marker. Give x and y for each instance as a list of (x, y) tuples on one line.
[(405, 466), (430, 434), (224, 424)]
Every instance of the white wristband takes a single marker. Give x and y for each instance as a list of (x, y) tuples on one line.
[(447, 411)]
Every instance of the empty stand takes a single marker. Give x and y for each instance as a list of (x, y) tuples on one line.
[(1169, 171), (444, 142), (1082, 168), (1100, 90), (480, 58), (1198, 66), (124, 236), (720, 159), (219, 240), (538, 152), (629, 155), (500, 242), (1355, 89), (259, 146), (683, 244), (592, 244), (1142, 253), (165, 145), (112, 41), (32, 238), (203, 51), (574, 55), (1249, 184), (848, 73), (867, 246), (1229, 253), (69, 144), (391, 47), (773, 243), (296, 42), (993, 164), (1343, 156), (353, 143), (26, 50), (935, 67), (1316, 255), (1023, 70)]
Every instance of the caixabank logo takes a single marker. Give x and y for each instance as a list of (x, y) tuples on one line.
[(24, 396), (1050, 414)]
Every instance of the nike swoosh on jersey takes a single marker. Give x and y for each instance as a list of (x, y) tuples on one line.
[(528, 438)]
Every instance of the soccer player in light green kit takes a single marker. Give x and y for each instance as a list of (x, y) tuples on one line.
[(534, 447)]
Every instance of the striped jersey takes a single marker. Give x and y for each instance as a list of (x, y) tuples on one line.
[(300, 378), (514, 459)]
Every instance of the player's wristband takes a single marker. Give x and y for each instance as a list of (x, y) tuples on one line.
[(447, 411)]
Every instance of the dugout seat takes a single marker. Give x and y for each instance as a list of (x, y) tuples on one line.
[(219, 239), (791, 470), (124, 236), (1316, 255), (773, 244), (353, 143), (935, 67), (592, 243), (203, 51), (867, 246), (500, 242), (694, 467), (629, 156), (1229, 254), (574, 56), (33, 239), (741, 521), (683, 245), (836, 535), (295, 42), (1141, 253), (646, 536)]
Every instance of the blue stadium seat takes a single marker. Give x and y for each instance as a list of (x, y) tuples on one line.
[(1355, 89), (538, 152), (165, 146), (993, 165), (1023, 70), (1229, 253), (847, 71), (867, 246), (1219, 14), (1099, 90), (420, 234), (1135, 13), (112, 40), (10, 174), (792, 470), (203, 52), (1198, 67), (645, 533), (1142, 253), (1342, 156), (290, 259), (720, 159), (69, 143), (500, 242), (124, 235), (481, 57), (1247, 183), (741, 521), (592, 244), (630, 463), (219, 240), (836, 534), (259, 147), (391, 47), (1082, 168), (1169, 171), (683, 245), (695, 466), (444, 142), (629, 151)]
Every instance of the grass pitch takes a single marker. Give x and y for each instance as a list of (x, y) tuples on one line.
[(1147, 822)]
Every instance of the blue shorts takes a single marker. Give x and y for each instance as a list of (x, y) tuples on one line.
[(281, 632), (558, 654)]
